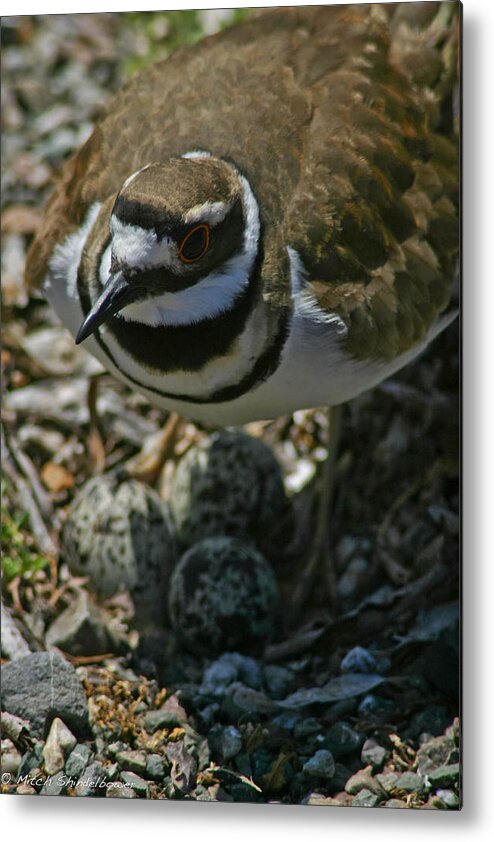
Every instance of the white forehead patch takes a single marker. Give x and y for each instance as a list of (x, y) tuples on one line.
[(140, 248)]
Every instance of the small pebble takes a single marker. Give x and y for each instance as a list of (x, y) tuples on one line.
[(173, 707), (340, 777), (438, 751), (219, 675), (315, 799), (279, 680), (444, 775), (306, 727), (343, 739), (363, 779), (230, 742), (115, 747), (374, 754), (119, 789), (11, 758), (92, 782), (54, 350), (30, 760), (249, 670), (59, 742), (387, 780), (138, 784), (431, 720), (348, 547), (77, 760), (453, 731), (112, 771), (241, 700), (342, 708), (321, 764), (155, 720), (286, 720), (410, 782), (25, 789), (449, 798), (156, 768), (132, 760), (55, 785), (366, 798), (376, 706), (228, 668)]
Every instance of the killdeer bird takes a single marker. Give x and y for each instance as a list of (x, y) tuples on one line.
[(266, 221)]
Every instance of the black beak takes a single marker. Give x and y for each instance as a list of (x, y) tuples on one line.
[(118, 292)]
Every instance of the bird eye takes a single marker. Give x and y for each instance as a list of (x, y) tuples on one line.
[(195, 244)]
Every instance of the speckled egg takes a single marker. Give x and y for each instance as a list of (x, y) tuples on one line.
[(120, 535), (223, 596), (230, 484)]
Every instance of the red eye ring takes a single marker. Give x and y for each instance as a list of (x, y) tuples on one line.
[(192, 257)]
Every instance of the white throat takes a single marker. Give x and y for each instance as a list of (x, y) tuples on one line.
[(212, 295)]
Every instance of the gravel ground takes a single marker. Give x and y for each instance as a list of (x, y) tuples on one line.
[(347, 695)]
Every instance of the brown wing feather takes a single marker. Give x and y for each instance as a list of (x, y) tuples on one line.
[(382, 239)]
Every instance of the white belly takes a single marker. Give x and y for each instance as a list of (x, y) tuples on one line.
[(314, 371)]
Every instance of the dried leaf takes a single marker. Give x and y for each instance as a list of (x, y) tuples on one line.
[(56, 478), (228, 776), (430, 624), (342, 687)]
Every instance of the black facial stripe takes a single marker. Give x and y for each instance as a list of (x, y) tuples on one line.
[(174, 348), (225, 241), (149, 282), (131, 212), (135, 213)]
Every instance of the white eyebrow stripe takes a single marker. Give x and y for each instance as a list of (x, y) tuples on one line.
[(196, 153), (211, 212)]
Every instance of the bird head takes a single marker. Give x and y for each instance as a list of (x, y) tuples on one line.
[(183, 240)]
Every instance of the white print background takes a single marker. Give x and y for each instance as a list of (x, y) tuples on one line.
[(73, 819)]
